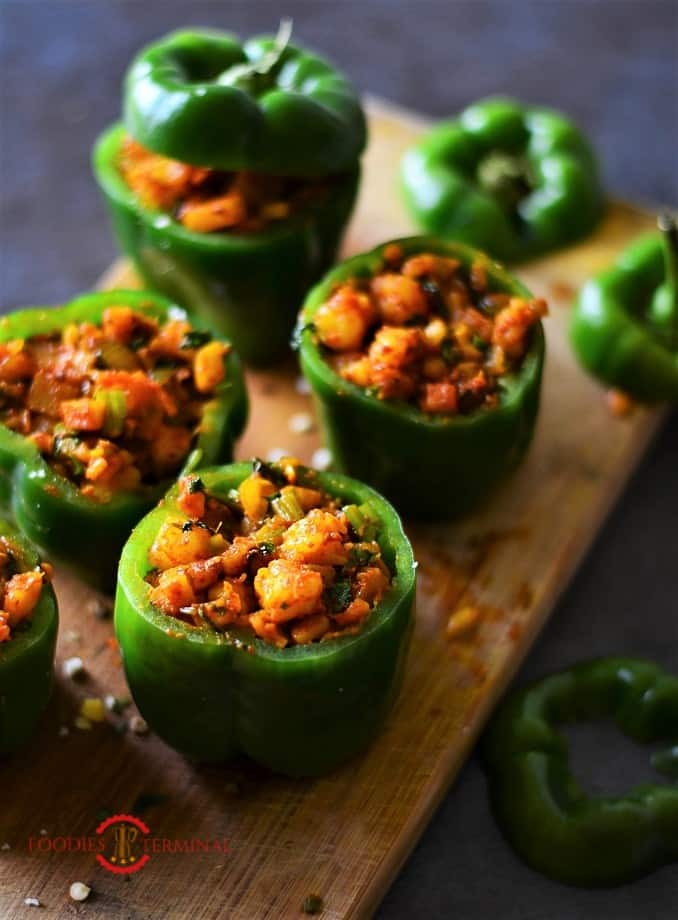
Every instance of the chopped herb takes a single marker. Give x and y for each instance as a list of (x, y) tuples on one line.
[(479, 343), (448, 352), (267, 548), (338, 596), (195, 484), (359, 555), (187, 526), (269, 471), (312, 904), (195, 338), (137, 342)]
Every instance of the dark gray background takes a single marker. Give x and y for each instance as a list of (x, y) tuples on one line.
[(613, 65)]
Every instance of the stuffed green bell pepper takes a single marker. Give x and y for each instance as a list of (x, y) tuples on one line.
[(514, 180), (425, 359), (233, 177), (552, 823), (103, 401), (624, 326), (28, 630), (266, 609)]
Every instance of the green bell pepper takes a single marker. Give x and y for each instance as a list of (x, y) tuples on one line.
[(428, 466), (301, 710), (86, 534), (514, 180), (205, 98), (624, 326), (554, 826), (27, 658), (248, 285)]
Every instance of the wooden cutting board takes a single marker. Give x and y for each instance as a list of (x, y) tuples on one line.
[(343, 837)]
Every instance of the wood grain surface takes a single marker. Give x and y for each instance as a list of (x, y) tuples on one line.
[(343, 837)]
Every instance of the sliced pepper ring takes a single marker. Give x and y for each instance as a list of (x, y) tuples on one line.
[(431, 467), (189, 97), (554, 826), (27, 659), (300, 710), (514, 180), (51, 510)]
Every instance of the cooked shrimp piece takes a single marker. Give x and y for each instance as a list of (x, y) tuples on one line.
[(179, 542), (393, 355), (22, 593), (287, 590), (343, 321), (317, 539), (513, 324), (399, 299)]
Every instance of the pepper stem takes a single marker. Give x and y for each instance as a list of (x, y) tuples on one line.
[(506, 177), (252, 72)]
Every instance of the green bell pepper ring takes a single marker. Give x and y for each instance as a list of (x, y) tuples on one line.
[(511, 179), (428, 466), (27, 658), (624, 326), (301, 710), (86, 534), (554, 826), (204, 98), (248, 285)]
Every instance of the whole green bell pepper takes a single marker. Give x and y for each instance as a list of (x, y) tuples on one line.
[(27, 657), (624, 326), (514, 180), (554, 826), (248, 285), (301, 710), (86, 534), (205, 98), (428, 466)]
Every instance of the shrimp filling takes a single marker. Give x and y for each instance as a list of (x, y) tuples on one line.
[(19, 591), (115, 406), (279, 558), (425, 331), (208, 200)]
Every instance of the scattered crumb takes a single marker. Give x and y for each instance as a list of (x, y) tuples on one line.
[(302, 386), (138, 725), (98, 608), (43, 831), (73, 668), (79, 891), (619, 403), (83, 724), (63, 731), (321, 459), (72, 636), (115, 703), (32, 902), (312, 904), (301, 423), (462, 622), (93, 709), (5, 846), (276, 453)]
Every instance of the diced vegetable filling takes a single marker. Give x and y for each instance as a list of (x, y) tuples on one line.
[(279, 558), (425, 331), (115, 406), (19, 591), (208, 200)]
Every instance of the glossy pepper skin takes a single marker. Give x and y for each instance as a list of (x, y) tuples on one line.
[(432, 467), (265, 106), (27, 658), (249, 286), (624, 326), (85, 534), (514, 180), (554, 826), (300, 711), (205, 98)]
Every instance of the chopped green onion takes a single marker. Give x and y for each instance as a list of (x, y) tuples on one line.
[(195, 338), (115, 403), (286, 505)]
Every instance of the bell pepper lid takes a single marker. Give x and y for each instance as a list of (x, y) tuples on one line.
[(45, 614), (365, 265), (228, 406), (134, 567), (184, 98)]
